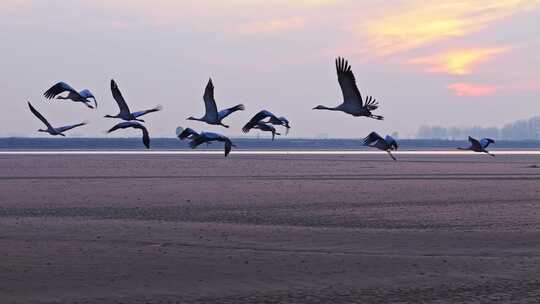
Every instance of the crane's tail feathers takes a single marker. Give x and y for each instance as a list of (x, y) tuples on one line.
[(377, 117), (371, 103), (239, 107)]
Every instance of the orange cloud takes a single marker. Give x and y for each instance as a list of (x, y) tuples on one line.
[(459, 62), (422, 23), (472, 90)]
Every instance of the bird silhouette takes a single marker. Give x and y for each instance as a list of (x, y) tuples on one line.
[(386, 144), (479, 146), (50, 129), (125, 113), (207, 137), (212, 116), (280, 121), (134, 125), (353, 103), (264, 114), (83, 96), (265, 127)]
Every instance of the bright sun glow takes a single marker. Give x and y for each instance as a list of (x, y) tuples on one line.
[(458, 62)]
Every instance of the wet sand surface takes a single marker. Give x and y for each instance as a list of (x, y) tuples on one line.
[(269, 229)]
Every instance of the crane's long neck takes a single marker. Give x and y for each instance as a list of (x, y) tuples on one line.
[(327, 108)]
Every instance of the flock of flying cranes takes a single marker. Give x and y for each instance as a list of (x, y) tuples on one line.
[(353, 104)]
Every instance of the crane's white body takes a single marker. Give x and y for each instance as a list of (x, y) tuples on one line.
[(353, 103), (211, 115)]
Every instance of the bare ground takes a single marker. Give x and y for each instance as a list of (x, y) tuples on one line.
[(269, 229)]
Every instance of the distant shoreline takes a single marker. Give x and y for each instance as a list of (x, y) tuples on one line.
[(531, 152), (281, 143)]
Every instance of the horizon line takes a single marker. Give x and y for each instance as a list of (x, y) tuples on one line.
[(264, 152), (256, 138)]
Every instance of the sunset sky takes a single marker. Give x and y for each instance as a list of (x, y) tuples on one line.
[(443, 63)]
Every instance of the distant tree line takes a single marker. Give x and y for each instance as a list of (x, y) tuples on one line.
[(526, 129)]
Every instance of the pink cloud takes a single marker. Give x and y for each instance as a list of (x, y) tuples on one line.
[(479, 90), (10, 6), (472, 90)]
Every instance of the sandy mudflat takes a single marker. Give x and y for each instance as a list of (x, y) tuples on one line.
[(270, 229)]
